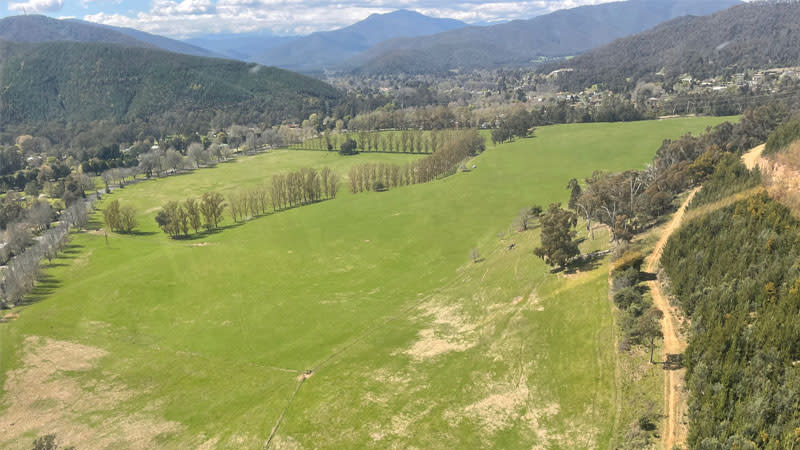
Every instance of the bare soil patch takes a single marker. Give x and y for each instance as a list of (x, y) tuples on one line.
[(451, 331), (44, 396)]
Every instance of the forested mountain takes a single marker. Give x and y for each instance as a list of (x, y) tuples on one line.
[(243, 46), (324, 49), (748, 36), (35, 28), (562, 33), (82, 82)]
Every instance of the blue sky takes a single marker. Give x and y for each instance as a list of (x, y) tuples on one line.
[(186, 18)]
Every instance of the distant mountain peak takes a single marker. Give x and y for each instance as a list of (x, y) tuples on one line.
[(330, 48), (561, 33)]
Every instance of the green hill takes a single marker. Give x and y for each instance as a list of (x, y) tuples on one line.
[(82, 82)]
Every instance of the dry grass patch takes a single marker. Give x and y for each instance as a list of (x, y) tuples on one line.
[(42, 397)]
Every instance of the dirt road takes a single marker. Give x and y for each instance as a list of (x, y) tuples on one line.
[(752, 157), (674, 430), (675, 406)]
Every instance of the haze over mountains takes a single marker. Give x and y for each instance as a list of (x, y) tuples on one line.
[(243, 46), (559, 34), (73, 70), (325, 49), (748, 36), (398, 42)]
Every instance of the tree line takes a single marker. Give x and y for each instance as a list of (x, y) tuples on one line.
[(26, 253), (287, 190), (405, 141), (459, 147)]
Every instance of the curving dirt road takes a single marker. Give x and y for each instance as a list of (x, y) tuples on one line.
[(674, 432), (675, 407)]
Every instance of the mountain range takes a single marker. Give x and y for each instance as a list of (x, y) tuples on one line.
[(747, 36), (562, 33), (330, 48)]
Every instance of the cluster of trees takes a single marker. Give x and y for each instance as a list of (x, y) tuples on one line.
[(734, 273), (519, 124), (630, 201), (118, 175), (120, 218), (23, 268), (177, 218), (459, 146), (307, 185)]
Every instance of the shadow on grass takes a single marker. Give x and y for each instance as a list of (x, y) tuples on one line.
[(45, 286), (138, 233), (71, 251), (205, 233), (584, 263)]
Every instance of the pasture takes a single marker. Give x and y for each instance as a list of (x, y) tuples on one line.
[(350, 323)]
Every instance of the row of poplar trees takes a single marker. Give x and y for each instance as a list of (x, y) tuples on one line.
[(304, 186), (460, 146)]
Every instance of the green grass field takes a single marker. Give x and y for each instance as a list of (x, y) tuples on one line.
[(148, 342)]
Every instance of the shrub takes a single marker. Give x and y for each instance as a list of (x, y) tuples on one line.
[(627, 297)]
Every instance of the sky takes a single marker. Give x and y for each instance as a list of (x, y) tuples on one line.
[(188, 18)]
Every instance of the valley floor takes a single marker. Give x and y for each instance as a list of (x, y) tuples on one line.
[(350, 323)]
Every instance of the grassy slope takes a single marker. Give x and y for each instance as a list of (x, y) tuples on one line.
[(203, 332)]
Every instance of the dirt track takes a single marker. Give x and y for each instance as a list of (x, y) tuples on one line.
[(674, 432), (752, 157), (675, 407)]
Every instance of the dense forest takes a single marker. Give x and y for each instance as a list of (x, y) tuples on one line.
[(750, 36), (80, 83), (735, 274)]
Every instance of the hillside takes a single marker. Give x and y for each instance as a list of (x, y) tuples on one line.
[(745, 37), (37, 29), (562, 33), (320, 50), (82, 82)]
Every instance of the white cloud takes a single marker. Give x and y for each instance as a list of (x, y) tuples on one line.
[(184, 18), (38, 6)]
